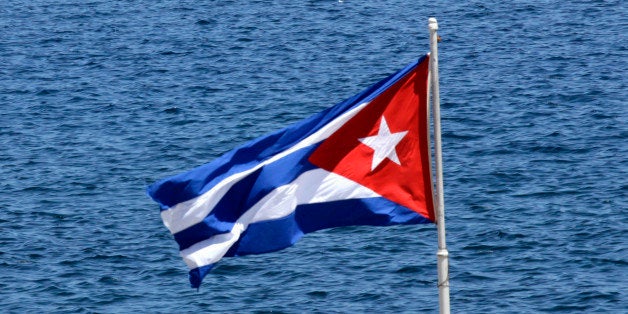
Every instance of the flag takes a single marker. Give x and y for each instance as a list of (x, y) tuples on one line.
[(364, 161)]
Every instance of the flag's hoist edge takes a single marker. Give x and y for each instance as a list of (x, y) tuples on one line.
[(264, 195)]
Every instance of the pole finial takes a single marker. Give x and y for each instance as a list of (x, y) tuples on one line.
[(432, 23)]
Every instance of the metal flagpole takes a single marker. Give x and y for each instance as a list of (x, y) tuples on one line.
[(442, 254)]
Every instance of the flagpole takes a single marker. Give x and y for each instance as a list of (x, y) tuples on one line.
[(442, 254)]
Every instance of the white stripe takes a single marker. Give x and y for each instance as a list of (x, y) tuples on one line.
[(314, 186), (191, 212)]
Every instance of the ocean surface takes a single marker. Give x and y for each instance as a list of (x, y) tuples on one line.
[(98, 99)]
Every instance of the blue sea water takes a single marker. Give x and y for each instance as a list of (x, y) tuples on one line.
[(98, 99)]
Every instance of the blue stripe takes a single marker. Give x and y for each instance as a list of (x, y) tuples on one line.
[(244, 194), (188, 185), (274, 235), (196, 275)]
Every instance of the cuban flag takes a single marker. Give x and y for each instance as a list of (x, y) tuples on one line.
[(364, 161)]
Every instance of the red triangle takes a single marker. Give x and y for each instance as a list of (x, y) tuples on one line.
[(404, 106)]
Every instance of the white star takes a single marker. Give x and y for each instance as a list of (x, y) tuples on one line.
[(383, 144)]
